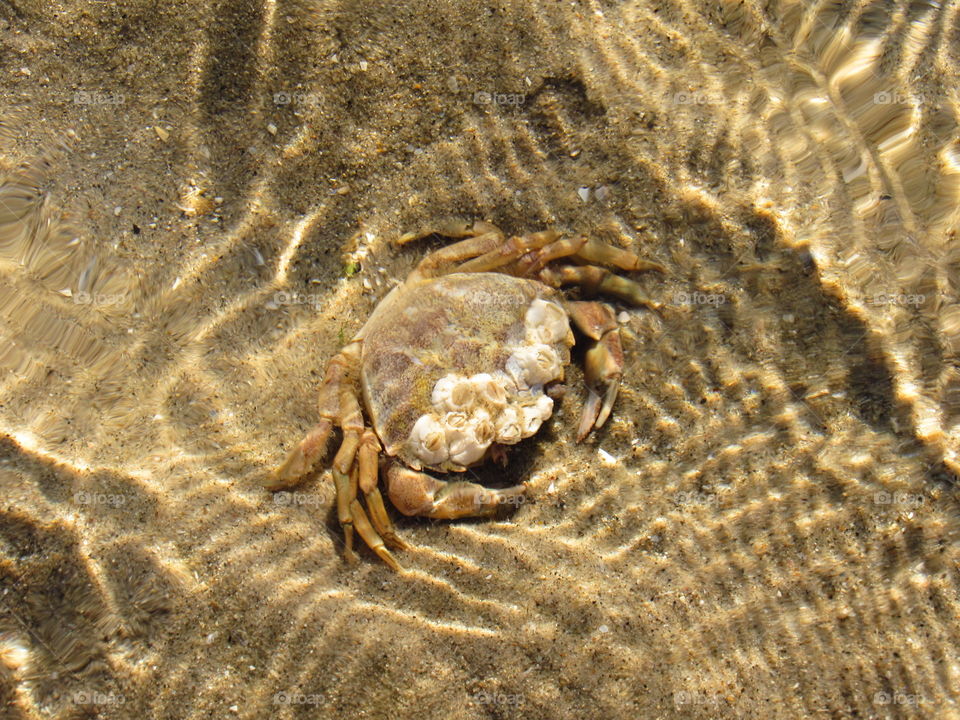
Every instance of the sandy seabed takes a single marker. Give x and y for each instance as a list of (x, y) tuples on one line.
[(201, 202)]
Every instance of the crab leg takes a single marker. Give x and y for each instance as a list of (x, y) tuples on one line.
[(603, 365), (598, 252), (533, 262), (370, 536), (597, 280), (417, 493), (309, 451), (451, 229), (483, 238), (346, 481), (367, 459), (508, 251)]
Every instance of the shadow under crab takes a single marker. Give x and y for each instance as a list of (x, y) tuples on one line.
[(453, 366)]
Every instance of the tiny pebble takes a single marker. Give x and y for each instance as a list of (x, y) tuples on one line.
[(161, 133), (117, 210), (271, 128), (363, 65), (602, 193), (604, 628), (624, 316)]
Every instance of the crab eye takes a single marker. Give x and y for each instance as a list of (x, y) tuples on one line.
[(453, 392), (429, 440)]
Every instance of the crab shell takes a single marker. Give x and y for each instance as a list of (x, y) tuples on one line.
[(427, 341)]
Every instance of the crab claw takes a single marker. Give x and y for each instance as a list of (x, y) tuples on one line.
[(302, 459), (417, 493), (603, 366)]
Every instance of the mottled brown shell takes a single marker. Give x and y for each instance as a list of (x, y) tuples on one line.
[(463, 323)]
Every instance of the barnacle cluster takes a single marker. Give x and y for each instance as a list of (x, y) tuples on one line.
[(504, 406)]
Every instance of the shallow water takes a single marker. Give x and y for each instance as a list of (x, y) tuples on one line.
[(201, 203)]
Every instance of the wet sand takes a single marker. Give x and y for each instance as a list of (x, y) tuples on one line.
[(201, 202)]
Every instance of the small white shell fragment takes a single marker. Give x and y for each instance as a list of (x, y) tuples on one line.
[(453, 392), (271, 128), (584, 193), (606, 457), (624, 316), (428, 439)]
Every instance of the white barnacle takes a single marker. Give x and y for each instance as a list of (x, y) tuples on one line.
[(532, 414), (428, 440), (483, 428), (489, 390), (546, 322), (468, 437), (453, 392), (508, 426), (534, 365)]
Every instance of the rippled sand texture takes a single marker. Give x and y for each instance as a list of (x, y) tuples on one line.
[(766, 528)]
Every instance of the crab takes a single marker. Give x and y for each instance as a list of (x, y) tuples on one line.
[(456, 364)]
